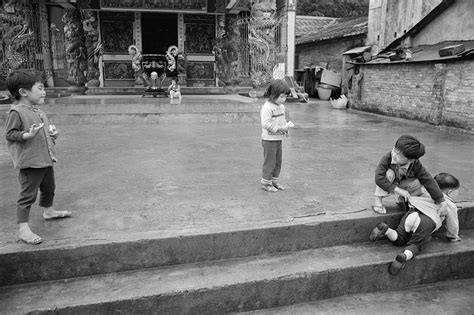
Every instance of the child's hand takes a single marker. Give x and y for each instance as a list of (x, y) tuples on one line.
[(53, 132), (290, 124), (402, 192), (32, 131), (283, 129), (443, 208)]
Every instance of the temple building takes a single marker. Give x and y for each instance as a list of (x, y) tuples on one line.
[(116, 43)]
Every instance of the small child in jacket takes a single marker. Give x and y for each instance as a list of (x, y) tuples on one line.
[(30, 139), (400, 171), (274, 129), (450, 187), (422, 219), (174, 89)]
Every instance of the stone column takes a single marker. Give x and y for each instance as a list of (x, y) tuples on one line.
[(181, 56), (90, 25), (291, 33), (45, 39), (76, 53)]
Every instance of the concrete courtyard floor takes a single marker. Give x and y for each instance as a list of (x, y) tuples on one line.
[(127, 181)]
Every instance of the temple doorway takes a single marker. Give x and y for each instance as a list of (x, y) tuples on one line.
[(159, 31)]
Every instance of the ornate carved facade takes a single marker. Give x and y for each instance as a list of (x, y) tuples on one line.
[(85, 42)]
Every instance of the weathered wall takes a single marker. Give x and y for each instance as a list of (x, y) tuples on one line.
[(455, 23), (330, 52), (439, 93), (389, 19)]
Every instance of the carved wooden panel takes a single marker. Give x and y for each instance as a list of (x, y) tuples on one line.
[(118, 70), (200, 70), (199, 38), (200, 33), (117, 35), (188, 5)]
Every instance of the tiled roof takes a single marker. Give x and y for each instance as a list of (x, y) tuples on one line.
[(341, 28), (309, 24)]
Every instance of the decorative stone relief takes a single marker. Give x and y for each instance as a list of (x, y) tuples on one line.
[(76, 53), (93, 46), (226, 50)]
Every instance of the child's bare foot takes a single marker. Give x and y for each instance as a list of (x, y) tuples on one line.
[(51, 214), (27, 236)]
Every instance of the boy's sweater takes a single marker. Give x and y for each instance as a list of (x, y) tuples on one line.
[(272, 117), (415, 170), (37, 152)]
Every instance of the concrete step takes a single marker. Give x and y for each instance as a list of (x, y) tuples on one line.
[(444, 297), (157, 118), (148, 250), (207, 90), (243, 284), (117, 109), (185, 90)]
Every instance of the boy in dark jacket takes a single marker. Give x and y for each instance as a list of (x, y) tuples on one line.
[(401, 172)]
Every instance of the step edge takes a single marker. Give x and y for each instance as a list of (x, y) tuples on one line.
[(378, 266)]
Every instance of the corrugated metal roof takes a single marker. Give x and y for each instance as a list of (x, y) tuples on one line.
[(310, 24), (341, 28)]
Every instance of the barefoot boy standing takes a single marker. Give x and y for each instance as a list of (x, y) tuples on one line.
[(30, 140)]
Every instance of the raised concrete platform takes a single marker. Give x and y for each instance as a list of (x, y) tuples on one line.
[(147, 194), (122, 178)]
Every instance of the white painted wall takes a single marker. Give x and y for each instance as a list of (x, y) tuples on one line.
[(455, 23)]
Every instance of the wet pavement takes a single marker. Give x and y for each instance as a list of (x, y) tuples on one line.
[(131, 179)]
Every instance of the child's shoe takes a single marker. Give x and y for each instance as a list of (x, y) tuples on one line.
[(398, 264), (278, 186), (453, 239), (378, 232), (269, 188)]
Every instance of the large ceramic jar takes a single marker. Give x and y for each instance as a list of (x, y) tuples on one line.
[(324, 92)]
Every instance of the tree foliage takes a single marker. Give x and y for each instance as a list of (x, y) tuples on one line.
[(334, 8)]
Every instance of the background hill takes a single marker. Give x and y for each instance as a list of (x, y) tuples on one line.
[(333, 8)]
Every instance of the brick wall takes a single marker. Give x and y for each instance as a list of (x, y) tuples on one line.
[(309, 55), (434, 92)]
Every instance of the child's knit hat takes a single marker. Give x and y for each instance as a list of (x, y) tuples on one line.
[(410, 147)]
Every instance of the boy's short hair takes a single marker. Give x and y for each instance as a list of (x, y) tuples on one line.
[(276, 88), (447, 181), (21, 79), (410, 147)]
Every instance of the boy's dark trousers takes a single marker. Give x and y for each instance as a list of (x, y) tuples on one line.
[(272, 157), (417, 240), (32, 179)]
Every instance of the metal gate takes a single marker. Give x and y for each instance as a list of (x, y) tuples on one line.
[(58, 52), (260, 40), (25, 38)]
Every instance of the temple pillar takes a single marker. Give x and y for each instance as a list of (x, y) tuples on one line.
[(90, 25), (76, 53), (181, 57), (45, 48), (291, 34)]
